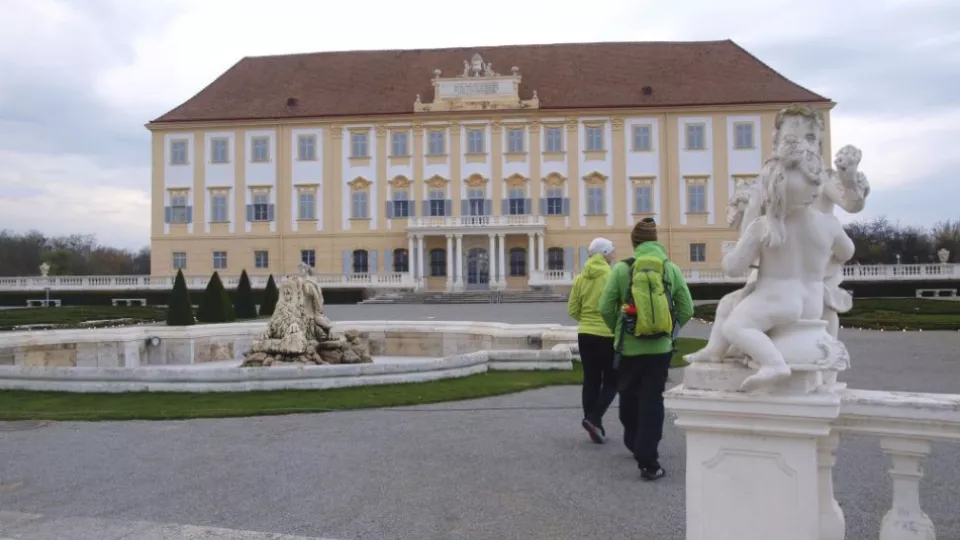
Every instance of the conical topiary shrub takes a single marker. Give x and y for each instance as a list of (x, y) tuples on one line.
[(270, 297), (215, 305), (243, 305), (179, 309)]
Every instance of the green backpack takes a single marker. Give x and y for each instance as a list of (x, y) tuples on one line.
[(651, 297)]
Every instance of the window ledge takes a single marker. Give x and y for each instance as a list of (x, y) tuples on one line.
[(596, 215), (307, 159), (698, 213), (219, 221), (360, 219), (306, 220)]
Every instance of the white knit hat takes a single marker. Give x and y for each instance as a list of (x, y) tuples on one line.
[(600, 245)]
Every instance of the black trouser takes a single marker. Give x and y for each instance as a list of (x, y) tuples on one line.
[(599, 376), (642, 382)]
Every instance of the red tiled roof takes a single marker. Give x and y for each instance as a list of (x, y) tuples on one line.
[(565, 76)]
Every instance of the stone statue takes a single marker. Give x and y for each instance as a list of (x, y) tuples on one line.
[(793, 250), (44, 269), (466, 69), (299, 332), (943, 255)]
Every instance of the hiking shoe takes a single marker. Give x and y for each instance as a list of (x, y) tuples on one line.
[(593, 431), (652, 474)]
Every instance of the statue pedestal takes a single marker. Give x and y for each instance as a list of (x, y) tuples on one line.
[(755, 461)]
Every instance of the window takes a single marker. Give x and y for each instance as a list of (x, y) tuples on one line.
[(398, 144), (594, 138), (555, 258), (178, 152), (358, 145), (219, 260), (261, 150), (518, 261), (697, 199), (595, 200), (218, 208), (401, 203), (554, 139), (359, 206), (642, 200), (475, 141), (261, 207), (178, 208), (698, 252), (307, 147), (743, 134), (401, 260), (436, 144), (360, 261), (554, 201), (307, 205), (695, 136), (261, 259), (438, 262), (179, 260), (515, 140), (218, 151), (475, 198), (517, 204), (438, 203), (308, 257), (641, 138)]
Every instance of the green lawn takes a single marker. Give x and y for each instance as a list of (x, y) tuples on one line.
[(73, 315), (886, 314), (23, 405)]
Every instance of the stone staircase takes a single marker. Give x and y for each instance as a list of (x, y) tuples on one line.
[(466, 297)]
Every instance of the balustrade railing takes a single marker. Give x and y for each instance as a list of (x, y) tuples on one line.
[(453, 222), (120, 283)]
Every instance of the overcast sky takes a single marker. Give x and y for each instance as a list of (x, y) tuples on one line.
[(79, 78)]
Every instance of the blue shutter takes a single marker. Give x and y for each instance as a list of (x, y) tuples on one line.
[(528, 206), (566, 206), (465, 207), (347, 262), (387, 261), (426, 208), (373, 262), (167, 214), (505, 207), (488, 207), (249, 212), (543, 206), (448, 207), (568, 259), (389, 209), (270, 212), (583, 257), (189, 214), (411, 208)]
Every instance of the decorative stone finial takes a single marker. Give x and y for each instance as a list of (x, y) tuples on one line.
[(943, 255)]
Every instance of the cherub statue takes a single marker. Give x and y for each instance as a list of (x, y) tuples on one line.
[(794, 243), (488, 70), (285, 331), (466, 69)]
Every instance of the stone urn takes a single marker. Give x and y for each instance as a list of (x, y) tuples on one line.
[(808, 346), (944, 255)]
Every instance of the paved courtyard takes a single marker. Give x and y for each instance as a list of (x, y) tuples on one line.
[(509, 467)]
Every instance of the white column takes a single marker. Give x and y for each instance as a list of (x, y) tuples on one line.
[(458, 262), (503, 241), (449, 262), (541, 262), (531, 255), (420, 258), (411, 258), (832, 523), (906, 520), (491, 255)]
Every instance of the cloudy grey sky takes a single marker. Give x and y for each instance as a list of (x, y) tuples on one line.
[(79, 78)]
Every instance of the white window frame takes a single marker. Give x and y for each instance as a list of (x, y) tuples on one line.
[(261, 259), (179, 259), (359, 145), (594, 138), (219, 260), (551, 143), (700, 197), (307, 205), (642, 138), (399, 144), (436, 143), (700, 249), (359, 205), (179, 154), (515, 140), (595, 200), (648, 198), (260, 149), (261, 206), (475, 141), (743, 135), (219, 208), (219, 150), (306, 147), (696, 136)]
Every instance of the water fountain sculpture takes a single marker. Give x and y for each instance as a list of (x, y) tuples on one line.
[(300, 333)]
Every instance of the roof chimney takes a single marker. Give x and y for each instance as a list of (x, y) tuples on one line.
[(647, 90), (291, 102)]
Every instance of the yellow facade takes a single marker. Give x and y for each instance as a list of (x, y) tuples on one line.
[(235, 195)]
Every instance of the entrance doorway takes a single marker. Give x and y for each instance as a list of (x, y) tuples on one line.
[(478, 269)]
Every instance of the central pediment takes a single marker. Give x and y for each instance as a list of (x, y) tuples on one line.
[(477, 87)]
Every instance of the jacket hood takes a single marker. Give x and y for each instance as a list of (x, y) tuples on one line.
[(650, 247), (596, 267)]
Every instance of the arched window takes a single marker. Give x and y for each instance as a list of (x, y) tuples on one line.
[(401, 260), (361, 262), (518, 261), (555, 259), (438, 262)]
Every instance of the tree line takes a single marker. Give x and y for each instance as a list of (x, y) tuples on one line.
[(21, 254), (878, 241)]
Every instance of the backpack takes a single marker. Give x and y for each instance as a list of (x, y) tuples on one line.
[(649, 300)]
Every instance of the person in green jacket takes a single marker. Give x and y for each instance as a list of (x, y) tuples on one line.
[(644, 363), (594, 338)]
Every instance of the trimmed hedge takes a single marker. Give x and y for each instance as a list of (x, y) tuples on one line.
[(270, 296), (243, 305), (215, 305), (179, 309)]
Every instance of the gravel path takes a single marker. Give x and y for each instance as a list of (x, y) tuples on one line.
[(509, 467)]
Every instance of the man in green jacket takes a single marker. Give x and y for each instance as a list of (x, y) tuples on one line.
[(644, 363), (594, 339)]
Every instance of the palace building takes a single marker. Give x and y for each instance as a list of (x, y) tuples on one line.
[(461, 168)]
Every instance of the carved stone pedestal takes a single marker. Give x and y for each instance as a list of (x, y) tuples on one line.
[(754, 460)]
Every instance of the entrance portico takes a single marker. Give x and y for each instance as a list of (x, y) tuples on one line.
[(476, 250)]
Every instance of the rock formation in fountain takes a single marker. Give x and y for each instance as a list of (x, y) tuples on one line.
[(299, 332), (791, 249)]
